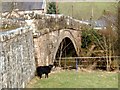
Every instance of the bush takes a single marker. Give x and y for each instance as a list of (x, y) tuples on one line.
[(52, 8)]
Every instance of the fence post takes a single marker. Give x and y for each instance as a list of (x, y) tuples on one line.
[(76, 64)]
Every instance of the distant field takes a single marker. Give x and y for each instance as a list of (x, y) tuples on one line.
[(83, 10), (74, 79)]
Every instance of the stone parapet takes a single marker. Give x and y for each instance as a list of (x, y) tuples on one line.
[(51, 22)]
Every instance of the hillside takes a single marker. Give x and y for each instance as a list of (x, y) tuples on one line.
[(83, 10)]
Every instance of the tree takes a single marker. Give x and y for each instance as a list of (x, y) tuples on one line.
[(52, 8), (104, 40)]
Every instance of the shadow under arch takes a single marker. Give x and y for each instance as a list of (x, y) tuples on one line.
[(66, 34), (66, 49)]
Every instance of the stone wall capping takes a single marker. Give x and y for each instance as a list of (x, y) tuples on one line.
[(12, 33)]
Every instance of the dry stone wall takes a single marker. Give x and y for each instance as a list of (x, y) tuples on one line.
[(17, 64)]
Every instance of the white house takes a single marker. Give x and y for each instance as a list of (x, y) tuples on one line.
[(38, 7)]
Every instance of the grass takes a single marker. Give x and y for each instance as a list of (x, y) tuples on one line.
[(74, 79), (83, 10)]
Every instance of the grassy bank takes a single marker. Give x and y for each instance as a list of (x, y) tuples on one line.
[(74, 79), (83, 10)]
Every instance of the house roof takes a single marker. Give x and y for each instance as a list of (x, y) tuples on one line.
[(22, 6)]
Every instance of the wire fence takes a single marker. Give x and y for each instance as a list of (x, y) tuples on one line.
[(90, 57), (89, 62)]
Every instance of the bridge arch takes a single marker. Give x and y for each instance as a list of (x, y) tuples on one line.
[(66, 49), (65, 34)]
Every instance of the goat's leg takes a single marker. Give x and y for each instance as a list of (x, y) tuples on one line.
[(40, 76), (46, 75)]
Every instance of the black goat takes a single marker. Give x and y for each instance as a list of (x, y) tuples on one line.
[(44, 70)]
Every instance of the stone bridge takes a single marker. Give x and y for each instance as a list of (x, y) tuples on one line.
[(50, 31), (23, 49)]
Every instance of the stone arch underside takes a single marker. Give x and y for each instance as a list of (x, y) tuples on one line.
[(66, 49), (68, 34)]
